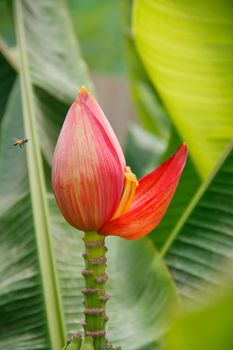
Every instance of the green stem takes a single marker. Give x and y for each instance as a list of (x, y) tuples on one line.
[(95, 297)]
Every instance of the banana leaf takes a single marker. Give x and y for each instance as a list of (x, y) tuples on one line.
[(186, 49), (201, 244), (188, 57), (154, 117)]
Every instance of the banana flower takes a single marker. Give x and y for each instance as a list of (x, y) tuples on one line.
[(94, 188)]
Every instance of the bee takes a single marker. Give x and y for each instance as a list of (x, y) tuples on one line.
[(20, 142)]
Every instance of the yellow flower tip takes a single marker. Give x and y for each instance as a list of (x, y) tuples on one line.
[(130, 176), (128, 194), (82, 94), (83, 90)]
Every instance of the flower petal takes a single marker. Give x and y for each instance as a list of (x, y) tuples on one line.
[(151, 201), (88, 166)]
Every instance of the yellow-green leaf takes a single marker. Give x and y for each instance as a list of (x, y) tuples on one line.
[(187, 48)]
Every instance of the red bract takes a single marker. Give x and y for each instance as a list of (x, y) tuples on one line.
[(94, 189), (152, 198)]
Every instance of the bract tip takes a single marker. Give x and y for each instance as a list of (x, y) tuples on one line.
[(82, 94)]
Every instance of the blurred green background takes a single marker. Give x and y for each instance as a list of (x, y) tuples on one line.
[(98, 25), (162, 70)]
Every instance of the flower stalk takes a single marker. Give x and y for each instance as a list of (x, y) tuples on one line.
[(95, 297)]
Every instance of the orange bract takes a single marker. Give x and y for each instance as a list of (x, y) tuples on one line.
[(151, 201)]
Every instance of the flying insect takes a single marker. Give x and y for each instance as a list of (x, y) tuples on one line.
[(20, 142)]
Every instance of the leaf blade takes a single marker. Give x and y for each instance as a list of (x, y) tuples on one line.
[(38, 197), (22, 305), (191, 73), (155, 118), (202, 241), (139, 280)]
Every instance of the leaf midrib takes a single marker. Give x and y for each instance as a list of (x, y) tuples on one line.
[(38, 196)]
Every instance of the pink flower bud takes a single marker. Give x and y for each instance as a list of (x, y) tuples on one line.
[(88, 166)]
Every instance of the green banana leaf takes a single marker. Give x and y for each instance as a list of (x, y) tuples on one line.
[(166, 34), (155, 119), (40, 294), (187, 51), (56, 71), (201, 244), (142, 295), (22, 300)]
